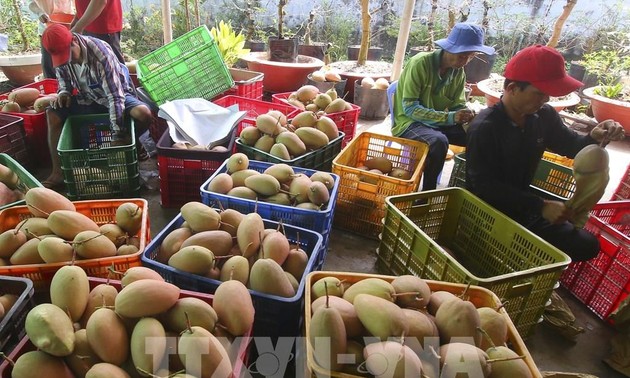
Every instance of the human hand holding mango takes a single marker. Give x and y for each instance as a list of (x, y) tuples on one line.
[(464, 115), (608, 130)]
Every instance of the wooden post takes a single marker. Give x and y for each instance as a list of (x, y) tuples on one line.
[(403, 38), (365, 32), (166, 21)]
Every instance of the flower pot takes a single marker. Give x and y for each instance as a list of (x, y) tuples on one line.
[(64, 19), (283, 50), (479, 68), (323, 86), (255, 46), (282, 76), (373, 102), (21, 69), (607, 108), (316, 50), (418, 49), (374, 53), (492, 96)]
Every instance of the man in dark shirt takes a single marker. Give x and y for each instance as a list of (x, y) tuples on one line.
[(506, 142)]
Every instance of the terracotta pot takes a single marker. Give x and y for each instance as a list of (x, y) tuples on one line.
[(21, 69), (607, 108), (492, 96), (282, 76), (323, 86)]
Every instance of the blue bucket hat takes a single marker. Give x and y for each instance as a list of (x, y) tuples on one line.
[(465, 37)]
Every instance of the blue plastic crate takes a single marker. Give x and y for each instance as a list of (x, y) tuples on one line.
[(318, 221), (275, 316)]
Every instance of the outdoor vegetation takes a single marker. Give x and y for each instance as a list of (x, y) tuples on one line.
[(600, 44)]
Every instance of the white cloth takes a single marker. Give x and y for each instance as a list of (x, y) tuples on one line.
[(198, 121)]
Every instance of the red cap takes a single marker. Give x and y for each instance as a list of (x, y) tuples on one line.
[(57, 39), (543, 67)]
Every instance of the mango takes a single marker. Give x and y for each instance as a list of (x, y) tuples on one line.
[(107, 336), (147, 344), (234, 307), (43, 201), (372, 286), (114, 233), (243, 192), (217, 241), (327, 336), (313, 138), (136, 273), (67, 224), (275, 246), (407, 285), (458, 357), (296, 262), (193, 310), (27, 253), (50, 329), (249, 135), (69, 290), (458, 318), (129, 217), (235, 268), (102, 295), (280, 151), (230, 219), (381, 163), (35, 226), (210, 357), (354, 327), (92, 245), (514, 367), (249, 234), (381, 317), (221, 183), (237, 162), (266, 276), (238, 178), (32, 364), (327, 286), (172, 243), (391, 359), (193, 259), (294, 144), (83, 357), (495, 325), (200, 217), (10, 241), (146, 298)]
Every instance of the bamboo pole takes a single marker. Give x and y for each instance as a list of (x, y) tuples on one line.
[(403, 38), (557, 27), (166, 21)]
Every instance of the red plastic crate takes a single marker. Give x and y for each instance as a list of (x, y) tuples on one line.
[(35, 125), (346, 120), (13, 139), (254, 108), (183, 171), (247, 84), (239, 350), (623, 190), (604, 281)]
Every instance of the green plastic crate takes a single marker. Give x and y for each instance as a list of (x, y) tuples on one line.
[(551, 180), (319, 160), (189, 67), (27, 180), (492, 250), (92, 169)]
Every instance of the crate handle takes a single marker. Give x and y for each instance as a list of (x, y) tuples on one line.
[(519, 290)]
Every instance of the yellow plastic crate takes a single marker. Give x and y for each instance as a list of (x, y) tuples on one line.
[(479, 296), (492, 250), (558, 159), (361, 204)]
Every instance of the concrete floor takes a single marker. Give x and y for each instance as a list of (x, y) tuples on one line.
[(551, 352)]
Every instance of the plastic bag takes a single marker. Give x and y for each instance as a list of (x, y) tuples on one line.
[(560, 317), (619, 358), (148, 143)]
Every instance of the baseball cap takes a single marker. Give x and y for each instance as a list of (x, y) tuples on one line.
[(57, 39), (465, 37), (543, 67)]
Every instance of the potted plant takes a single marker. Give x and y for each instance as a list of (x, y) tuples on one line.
[(362, 67), (254, 36), (611, 101), (21, 65), (281, 47), (492, 89), (308, 47)]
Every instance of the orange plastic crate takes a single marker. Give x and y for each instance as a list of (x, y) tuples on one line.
[(479, 296), (239, 351), (558, 159), (101, 212), (360, 204)]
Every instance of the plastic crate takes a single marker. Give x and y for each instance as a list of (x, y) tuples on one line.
[(191, 66), (275, 316), (13, 138), (254, 108), (492, 250), (241, 345), (183, 171), (25, 177), (101, 212), (603, 282), (318, 221), (91, 167), (346, 120), (12, 324), (319, 160), (551, 180), (558, 159), (623, 190), (35, 125), (479, 296), (247, 84), (361, 204)]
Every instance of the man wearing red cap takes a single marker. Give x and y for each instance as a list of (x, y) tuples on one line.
[(429, 102), (507, 141), (88, 66)]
